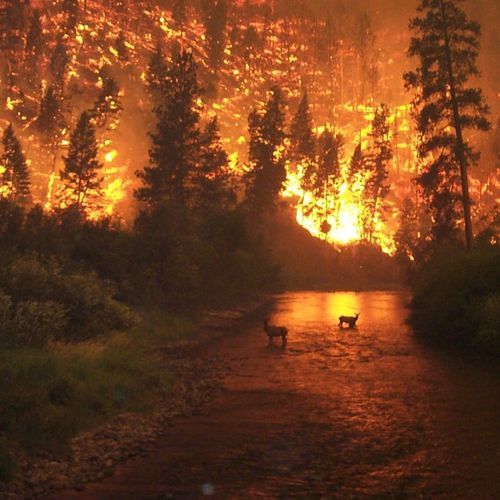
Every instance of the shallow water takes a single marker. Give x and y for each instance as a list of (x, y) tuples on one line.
[(368, 412)]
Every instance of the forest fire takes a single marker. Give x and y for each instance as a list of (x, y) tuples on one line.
[(99, 42), (181, 181)]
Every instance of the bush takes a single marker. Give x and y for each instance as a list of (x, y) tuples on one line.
[(488, 336), (7, 467), (454, 298), (42, 300)]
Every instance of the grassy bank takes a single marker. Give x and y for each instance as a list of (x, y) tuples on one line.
[(49, 394), (457, 300)]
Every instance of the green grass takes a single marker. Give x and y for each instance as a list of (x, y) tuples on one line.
[(50, 394)]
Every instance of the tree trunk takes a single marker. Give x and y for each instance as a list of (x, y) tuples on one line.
[(460, 147)]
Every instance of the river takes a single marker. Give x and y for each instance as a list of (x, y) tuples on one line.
[(368, 412)]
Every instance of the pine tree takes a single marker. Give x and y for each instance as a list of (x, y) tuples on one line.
[(215, 21), (446, 44), (376, 164), (35, 43), (80, 176), (364, 40), (212, 191), (156, 73), (15, 178), (303, 146), (71, 10), (174, 153), (266, 153), (58, 64), (12, 23), (327, 179), (179, 12), (302, 135), (50, 120), (108, 104), (121, 47)]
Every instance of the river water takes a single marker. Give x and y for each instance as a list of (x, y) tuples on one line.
[(363, 413)]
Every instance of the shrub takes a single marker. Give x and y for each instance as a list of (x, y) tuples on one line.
[(42, 300), (454, 297), (488, 336), (35, 323), (7, 467)]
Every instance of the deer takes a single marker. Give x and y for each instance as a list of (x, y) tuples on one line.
[(275, 331), (349, 320)]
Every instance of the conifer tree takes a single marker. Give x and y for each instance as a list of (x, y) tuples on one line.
[(12, 23), (15, 178), (179, 12), (375, 165), (108, 104), (174, 153), (156, 73), (59, 64), (266, 153), (303, 146), (71, 9), (446, 44), (81, 176), (302, 135), (215, 20), (364, 40), (121, 47), (327, 179), (35, 44), (212, 191), (50, 119)]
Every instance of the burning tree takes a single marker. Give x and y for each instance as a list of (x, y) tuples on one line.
[(446, 43), (81, 173), (15, 181)]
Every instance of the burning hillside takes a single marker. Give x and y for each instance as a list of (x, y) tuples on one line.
[(96, 56)]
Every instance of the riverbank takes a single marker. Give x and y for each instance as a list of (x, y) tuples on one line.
[(150, 379)]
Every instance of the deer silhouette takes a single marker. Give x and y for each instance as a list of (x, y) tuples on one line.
[(275, 331), (350, 321)]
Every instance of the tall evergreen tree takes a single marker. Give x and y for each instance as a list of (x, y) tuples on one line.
[(81, 176), (174, 153), (50, 122), (266, 152), (156, 73), (35, 43), (59, 64), (212, 190), (215, 21), (376, 165), (121, 47), (71, 10), (328, 180), (179, 12), (302, 135), (12, 23), (446, 44), (303, 146), (15, 178)]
